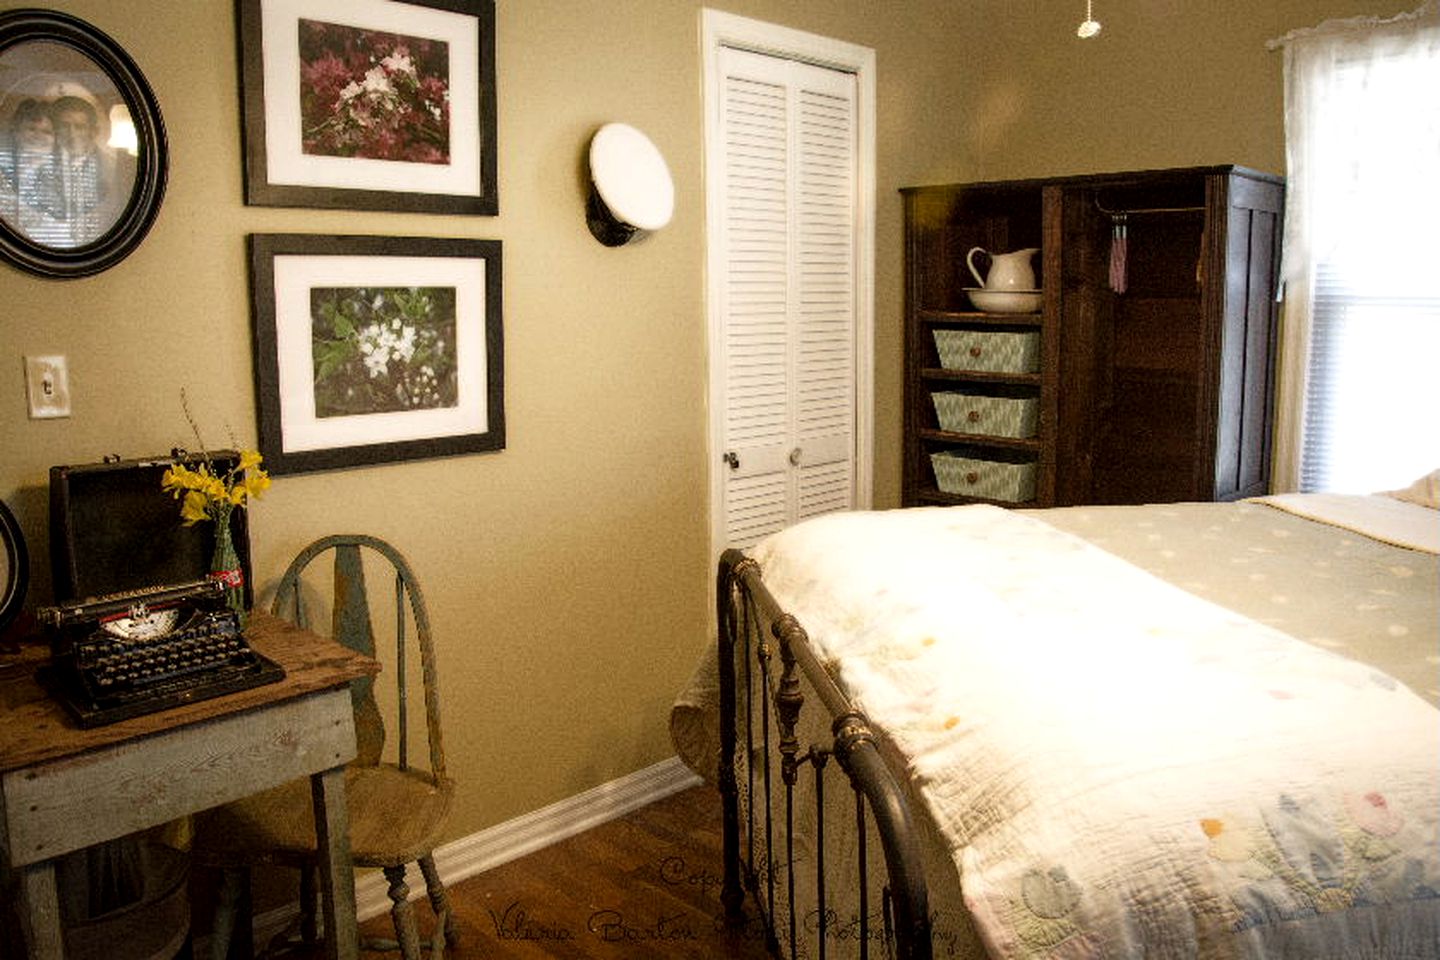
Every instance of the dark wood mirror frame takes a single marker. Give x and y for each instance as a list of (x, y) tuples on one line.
[(15, 574), (121, 234)]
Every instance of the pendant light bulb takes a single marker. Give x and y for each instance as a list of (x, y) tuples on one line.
[(1091, 26)]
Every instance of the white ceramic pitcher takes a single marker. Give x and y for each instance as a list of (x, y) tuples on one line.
[(1008, 271)]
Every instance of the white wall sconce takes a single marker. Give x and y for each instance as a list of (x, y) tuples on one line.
[(631, 193)]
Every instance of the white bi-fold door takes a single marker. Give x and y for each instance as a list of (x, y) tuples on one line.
[(789, 294)]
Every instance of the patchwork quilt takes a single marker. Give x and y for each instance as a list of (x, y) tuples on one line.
[(1117, 766)]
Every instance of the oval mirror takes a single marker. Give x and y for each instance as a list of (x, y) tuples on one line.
[(83, 156)]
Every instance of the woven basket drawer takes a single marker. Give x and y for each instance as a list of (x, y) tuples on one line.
[(990, 351), (991, 479), (992, 416)]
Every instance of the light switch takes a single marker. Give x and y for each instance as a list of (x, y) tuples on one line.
[(47, 387)]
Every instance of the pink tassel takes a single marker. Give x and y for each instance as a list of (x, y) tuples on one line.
[(1119, 250)]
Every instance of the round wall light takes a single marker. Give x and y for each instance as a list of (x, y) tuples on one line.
[(631, 193)]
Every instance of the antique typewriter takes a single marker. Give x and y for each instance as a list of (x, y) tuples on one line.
[(138, 651)]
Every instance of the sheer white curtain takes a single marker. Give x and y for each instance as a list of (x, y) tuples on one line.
[(1359, 402)]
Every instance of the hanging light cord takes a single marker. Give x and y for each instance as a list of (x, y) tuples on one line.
[(1091, 26)]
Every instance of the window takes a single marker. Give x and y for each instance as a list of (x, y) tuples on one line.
[(1361, 393)]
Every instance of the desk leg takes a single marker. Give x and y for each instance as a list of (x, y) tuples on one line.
[(337, 875), (41, 914)]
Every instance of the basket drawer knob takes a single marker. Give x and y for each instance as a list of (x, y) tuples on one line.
[(975, 351), (973, 416), (972, 478)]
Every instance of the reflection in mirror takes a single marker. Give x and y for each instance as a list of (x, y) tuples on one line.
[(63, 182), (122, 130)]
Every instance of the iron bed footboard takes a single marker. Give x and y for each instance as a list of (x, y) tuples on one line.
[(753, 629)]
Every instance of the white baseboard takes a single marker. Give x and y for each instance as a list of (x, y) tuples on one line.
[(507, 841)]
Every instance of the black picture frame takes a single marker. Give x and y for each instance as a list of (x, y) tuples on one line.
[(85, 202), (14, 568), (303, 149), (371, 350)]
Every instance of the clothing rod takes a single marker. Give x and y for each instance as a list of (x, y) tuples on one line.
[(1143, 210)]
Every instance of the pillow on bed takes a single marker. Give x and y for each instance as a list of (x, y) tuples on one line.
[(1425, 491)]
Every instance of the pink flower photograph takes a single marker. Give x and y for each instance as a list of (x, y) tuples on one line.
[(373, 95), (370, 104)]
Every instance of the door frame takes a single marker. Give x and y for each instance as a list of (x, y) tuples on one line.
[(720, 30)]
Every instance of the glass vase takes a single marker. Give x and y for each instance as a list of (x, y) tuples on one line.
[(225, 566)]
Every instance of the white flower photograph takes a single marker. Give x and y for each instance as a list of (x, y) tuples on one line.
[(376, 349)]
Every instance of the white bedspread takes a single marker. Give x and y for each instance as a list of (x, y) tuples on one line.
[(1385, 518), (1121, 768)]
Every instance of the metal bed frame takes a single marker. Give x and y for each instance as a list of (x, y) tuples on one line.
[(753, 632)]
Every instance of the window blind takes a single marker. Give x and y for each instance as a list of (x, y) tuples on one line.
[(1372, 400)]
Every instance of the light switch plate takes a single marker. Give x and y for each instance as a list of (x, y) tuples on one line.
[(47, 387)]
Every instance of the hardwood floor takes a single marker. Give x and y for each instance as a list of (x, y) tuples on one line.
[(645, 885)]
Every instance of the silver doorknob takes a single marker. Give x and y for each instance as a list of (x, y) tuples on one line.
[(732, 458)]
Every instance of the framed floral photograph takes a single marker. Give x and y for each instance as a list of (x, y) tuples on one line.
[(370, 104), (376, 349)]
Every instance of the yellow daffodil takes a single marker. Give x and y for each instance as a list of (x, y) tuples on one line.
[(256, 483), (194, 507), (207, 496)]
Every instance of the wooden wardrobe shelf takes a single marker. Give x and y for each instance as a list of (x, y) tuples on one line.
[(933, 496), (972, 317), (980, 376), (979, 440)]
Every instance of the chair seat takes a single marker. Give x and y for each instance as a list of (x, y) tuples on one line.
[(395, 818)]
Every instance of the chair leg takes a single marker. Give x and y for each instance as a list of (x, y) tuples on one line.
[(231, 935), (308, 930), (403, 914), (439, 901)]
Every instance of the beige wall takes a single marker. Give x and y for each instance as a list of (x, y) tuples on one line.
[(567, 576), (1166, 83)]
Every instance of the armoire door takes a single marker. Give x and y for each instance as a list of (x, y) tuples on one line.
[(785, 377)]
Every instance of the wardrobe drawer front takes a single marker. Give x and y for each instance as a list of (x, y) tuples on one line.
[(975, 413), (991, 479), (990, 351)]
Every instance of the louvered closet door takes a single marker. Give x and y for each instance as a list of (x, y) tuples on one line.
[(788, 314)]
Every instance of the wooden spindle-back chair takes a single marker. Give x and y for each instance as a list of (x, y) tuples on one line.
[(397, 807)]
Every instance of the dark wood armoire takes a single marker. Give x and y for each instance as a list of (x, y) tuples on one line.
[(1153, 328)]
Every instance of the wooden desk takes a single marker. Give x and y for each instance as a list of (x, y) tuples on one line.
[(63, 788)]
